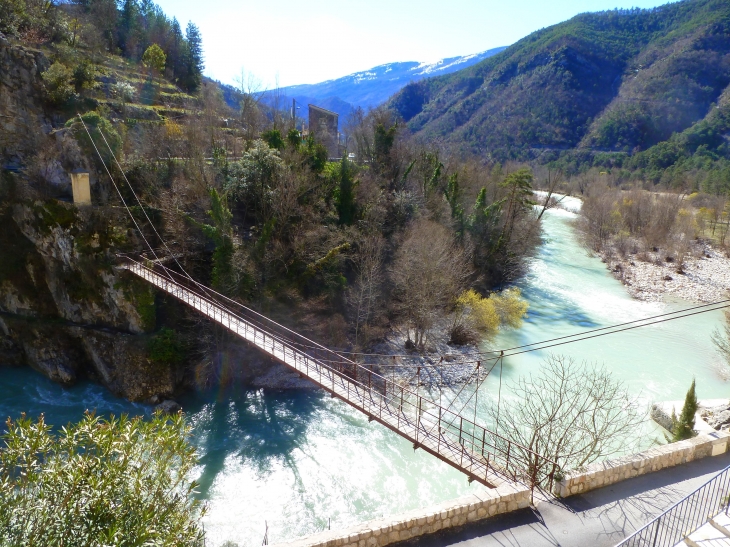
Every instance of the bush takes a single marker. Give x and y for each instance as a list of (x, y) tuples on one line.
[(58, 81), (97, 126), (154, 58), (122, 481), (124, 91), (84, 75), (273, 138), (476, 314), (165, 347)]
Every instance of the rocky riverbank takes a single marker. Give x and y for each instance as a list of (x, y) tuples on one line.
[(712, 415), (704, 275), (441, 364)]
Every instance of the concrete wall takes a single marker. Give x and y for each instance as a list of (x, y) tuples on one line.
[(81, 188), (378, 533), (602, 474)]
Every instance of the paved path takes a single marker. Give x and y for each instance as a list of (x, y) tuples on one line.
[(600, 518)]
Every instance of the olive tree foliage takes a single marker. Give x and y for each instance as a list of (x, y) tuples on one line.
[(429, 271), (253, 180), (566, 416), (122, 481)]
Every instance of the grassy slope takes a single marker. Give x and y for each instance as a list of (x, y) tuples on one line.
[(606, 81)]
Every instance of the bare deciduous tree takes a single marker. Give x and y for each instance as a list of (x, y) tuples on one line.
[(568, 413), (252, 95), (364, 295), (721, 338), (600, 218), (428, 273)]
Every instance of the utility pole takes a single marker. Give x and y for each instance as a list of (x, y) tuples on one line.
[(294, 112)]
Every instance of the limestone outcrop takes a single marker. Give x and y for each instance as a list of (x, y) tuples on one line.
[(21, 117)]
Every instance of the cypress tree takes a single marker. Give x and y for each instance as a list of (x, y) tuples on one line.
[(346, 195), (684, 426)]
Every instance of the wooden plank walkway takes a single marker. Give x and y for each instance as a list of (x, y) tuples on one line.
[(468, 447)]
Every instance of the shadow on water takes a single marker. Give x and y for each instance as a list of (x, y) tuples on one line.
[(564, 310), (256, 426)]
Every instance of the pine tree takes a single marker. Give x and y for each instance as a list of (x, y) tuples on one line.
[(174, 58), (684, 426), (128, 26), (193, 58)]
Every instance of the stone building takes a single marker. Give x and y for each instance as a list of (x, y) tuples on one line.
[(324, 125)]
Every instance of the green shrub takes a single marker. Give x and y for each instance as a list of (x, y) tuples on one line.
[(122, 481), (154, 58), (165, 348), (84, 75), (58, 81), (97, 126), (273, 138)]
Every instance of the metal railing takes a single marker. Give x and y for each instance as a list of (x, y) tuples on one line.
[(685, 516), (483, 455)]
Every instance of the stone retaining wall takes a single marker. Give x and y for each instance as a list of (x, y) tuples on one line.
[(485, 504), (602, 474), (378, 533)]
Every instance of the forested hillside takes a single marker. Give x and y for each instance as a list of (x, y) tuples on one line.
[(640, 90), (94, 27)]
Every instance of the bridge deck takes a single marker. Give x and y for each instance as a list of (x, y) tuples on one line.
[(464, 445)]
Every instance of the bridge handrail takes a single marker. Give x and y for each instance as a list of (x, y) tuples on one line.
[(465, 437)]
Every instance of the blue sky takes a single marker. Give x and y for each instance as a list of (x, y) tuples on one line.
[(309, 41)]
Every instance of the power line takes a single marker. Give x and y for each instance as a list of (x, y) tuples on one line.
[(647, 321), (615, 331)]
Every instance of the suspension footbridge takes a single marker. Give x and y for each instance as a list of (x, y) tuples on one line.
[(482, 455)]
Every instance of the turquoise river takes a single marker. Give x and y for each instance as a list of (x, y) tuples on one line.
[(298, 460)]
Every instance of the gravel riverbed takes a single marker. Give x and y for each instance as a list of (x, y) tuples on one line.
[(704, 276)]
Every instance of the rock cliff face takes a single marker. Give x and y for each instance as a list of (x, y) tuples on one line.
[(21, 118), (66, 310)]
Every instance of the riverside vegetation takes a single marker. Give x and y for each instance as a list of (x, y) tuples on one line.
[(345, 251)]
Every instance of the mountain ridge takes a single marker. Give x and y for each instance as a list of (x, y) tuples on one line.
[(621, 82), (372, 87)]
